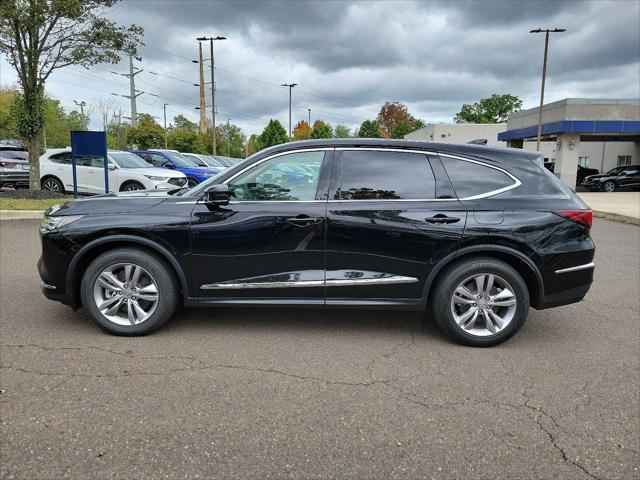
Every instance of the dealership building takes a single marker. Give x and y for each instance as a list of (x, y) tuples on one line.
[(595, 133)]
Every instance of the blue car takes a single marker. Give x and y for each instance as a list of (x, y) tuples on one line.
[(175, 161)]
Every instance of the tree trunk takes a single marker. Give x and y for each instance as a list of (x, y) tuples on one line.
[(34, 145)]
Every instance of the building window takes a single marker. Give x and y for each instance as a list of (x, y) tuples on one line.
[(624, 160), (583, 161)]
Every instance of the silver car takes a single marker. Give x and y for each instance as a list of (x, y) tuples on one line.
[(14, 167)]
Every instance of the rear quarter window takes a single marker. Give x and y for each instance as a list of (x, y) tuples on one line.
[(470, 179)]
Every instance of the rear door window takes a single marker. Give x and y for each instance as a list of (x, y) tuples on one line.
[(385, 175), (471, 179), (63, 158)]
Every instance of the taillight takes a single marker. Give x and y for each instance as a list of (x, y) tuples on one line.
[(583, 217), (6, 164)]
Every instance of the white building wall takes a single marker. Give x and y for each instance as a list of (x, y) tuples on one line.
[(460, 133), (602, 155)]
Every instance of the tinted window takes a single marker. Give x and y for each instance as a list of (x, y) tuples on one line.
[(64, 158), (13, 154), (368, 175), (287, 177), (157, 160), (179, 160), (470, 179)]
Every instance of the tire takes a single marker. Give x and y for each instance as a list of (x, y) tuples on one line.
[(192, 182), (131, 186), (479, 333), (609, 187), (152, 271), (52, 184)]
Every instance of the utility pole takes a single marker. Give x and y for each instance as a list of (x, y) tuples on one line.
[(228, 137), (203, 102), (133, 93), (544, 75), (309, 123), (213, 89), (164, 110), (81, 104), (290, 85)]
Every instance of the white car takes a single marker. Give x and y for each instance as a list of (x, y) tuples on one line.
[(204, 160), (127, 172)]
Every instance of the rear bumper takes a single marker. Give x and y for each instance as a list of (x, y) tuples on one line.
[(576, 279), (565, 297), (18, 177)]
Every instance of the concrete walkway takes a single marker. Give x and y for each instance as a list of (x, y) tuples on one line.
[(617, 206)]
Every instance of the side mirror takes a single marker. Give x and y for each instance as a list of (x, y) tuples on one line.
[(112, 166), (217, 194), (169, 165)]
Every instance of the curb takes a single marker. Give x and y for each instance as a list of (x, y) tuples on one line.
[(21, 214), (616, 217)]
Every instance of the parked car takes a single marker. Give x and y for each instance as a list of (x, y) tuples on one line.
[(204, 161), (616, 178), (14, 166), (475, 235), (228, 161), (175, 161), (127, 172), (581, 174)]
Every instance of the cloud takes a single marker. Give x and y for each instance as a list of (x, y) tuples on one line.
[(349, 57)]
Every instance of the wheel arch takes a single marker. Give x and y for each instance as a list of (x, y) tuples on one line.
[(124, 183), (520, 262), (91, 250)]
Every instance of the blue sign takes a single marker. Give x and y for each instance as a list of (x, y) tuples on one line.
[(89, 144)]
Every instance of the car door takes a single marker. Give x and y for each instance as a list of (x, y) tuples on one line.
[(268, 242), (629, 177), (60, 167), (94, 176), (389, 220)]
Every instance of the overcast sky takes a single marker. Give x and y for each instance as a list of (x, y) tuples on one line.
[(350, 57)]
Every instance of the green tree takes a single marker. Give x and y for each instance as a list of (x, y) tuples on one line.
[(321, 130), (8, 127), (342, 131), (40, 36), (369, 129), (230, 140), (253, 144), (180, 122), (495, 109), (183, 140), (401, 129), (273, 134), (146, 134)]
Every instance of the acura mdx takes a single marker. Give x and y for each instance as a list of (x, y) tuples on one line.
[(473, 235)]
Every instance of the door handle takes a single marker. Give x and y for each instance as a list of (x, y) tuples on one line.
[(440, 218), (304, 220)]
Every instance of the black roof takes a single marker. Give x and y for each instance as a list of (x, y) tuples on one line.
[(453, 148)]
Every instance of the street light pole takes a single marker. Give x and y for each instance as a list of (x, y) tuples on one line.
[(544, 75), (213, 89), (81, 104), (290, 85), (309, 123), (164, 109), (228, 137)]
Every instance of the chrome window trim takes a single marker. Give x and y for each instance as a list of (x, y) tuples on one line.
[(586, 266), (395, 279), (516, 181)]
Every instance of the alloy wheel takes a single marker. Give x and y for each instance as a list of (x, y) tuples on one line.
[(51, 185), (609, 187), (483, 304), (126, 294), (132, 187)]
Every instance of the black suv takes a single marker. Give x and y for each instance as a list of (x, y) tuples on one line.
[(475, 235), (616, 178)]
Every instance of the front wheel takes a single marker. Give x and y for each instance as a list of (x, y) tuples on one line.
[(131, 186), (52, 184), (129, 292), (609, 187), (480, 302)]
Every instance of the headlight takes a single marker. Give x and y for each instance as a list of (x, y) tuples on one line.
[(157, 179), (51, 223)]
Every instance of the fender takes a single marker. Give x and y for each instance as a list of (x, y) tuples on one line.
[(483, 249), (130, 239)]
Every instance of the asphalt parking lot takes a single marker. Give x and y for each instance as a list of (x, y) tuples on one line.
[(250, 393)]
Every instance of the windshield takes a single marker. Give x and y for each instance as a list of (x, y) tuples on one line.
[(212, 162), (195, 159), (614, 171), (128, 160), (179, 160), (223, 161)]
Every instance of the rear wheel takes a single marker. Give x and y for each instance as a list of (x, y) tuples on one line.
[(131, 186), (129, 292), (480, 302), (609, 187), (52, 184)]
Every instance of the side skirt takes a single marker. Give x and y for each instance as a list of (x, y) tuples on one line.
[(337, 303)]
